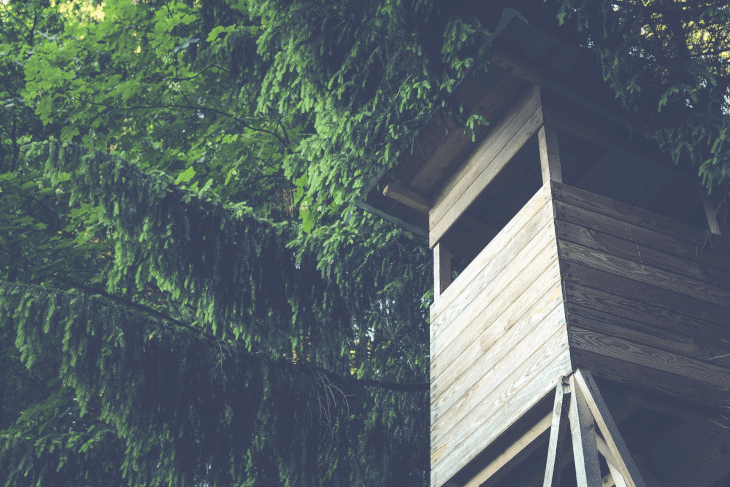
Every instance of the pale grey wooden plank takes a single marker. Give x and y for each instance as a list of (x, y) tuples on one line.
[(599, 409), (441, 269), (495, 151), (583, 433), (406, 196), (558, 428), (522, 389), (505, 237), (494, 333), (549, 155), (712, 221), (443, 158), (496, 276), (511, 455), (456, 402)]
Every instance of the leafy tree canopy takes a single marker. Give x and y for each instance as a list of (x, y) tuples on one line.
[(187, 294)]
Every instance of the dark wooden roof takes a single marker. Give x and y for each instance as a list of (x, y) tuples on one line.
[(601, 151)]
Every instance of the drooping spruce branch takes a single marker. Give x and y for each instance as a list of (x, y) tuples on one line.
[(216, 398), (231, 267), (348, 380)]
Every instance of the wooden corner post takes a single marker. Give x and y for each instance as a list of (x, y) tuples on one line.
[(441, 268), (718, 226), (547, 138)]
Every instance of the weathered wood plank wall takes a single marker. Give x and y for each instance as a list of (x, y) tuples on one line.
[(499, 340), (648, 298)]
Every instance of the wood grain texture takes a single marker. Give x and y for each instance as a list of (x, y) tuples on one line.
[(486, 161), (628, 308), (694, 346), (451, 409), (633, 215), (549, 155), (702, 252), (644, 273), (507, 236), (527, 385), (671, 301), (619, 453), (626, 247), (499, 271), (649, 356), (558, 430), (446, 155), (494, 333), (646, 378), (468, 325), (583, 434)]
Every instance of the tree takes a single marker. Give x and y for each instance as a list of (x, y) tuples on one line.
[(189, 296)]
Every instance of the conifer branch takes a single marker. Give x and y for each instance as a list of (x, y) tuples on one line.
[(137, 306), (348, 380)]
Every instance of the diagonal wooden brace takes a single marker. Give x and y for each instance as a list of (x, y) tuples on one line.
[(578, 398), (557, 433), (583, 433), (620, 457)]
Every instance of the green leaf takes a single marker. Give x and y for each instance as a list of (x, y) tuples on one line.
[(185, 176)]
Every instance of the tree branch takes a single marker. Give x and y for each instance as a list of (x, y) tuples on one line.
[(190, 107), (137, 306), (348, 379)]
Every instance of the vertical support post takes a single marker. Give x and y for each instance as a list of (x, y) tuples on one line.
[(547, 138), (583, 432), (717, 226), (441, 269), (558, 430), (583, 380), (709, 210)]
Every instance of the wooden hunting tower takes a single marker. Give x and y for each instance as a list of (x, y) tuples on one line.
[(582, 252)]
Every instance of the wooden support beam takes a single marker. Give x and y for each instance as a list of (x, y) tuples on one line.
[(714, 223), (583, 432), (621, 409), (512, 455), (608, 427), (549, 156), (441, 269), (487, 160), (406, 196), (517, 70), (559, 426), (456, 144), (614, 465)]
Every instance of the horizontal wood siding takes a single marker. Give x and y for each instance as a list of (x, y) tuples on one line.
[(648, 298), (499, 340)]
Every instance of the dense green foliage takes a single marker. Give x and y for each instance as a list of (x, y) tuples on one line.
[(188, 295)]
